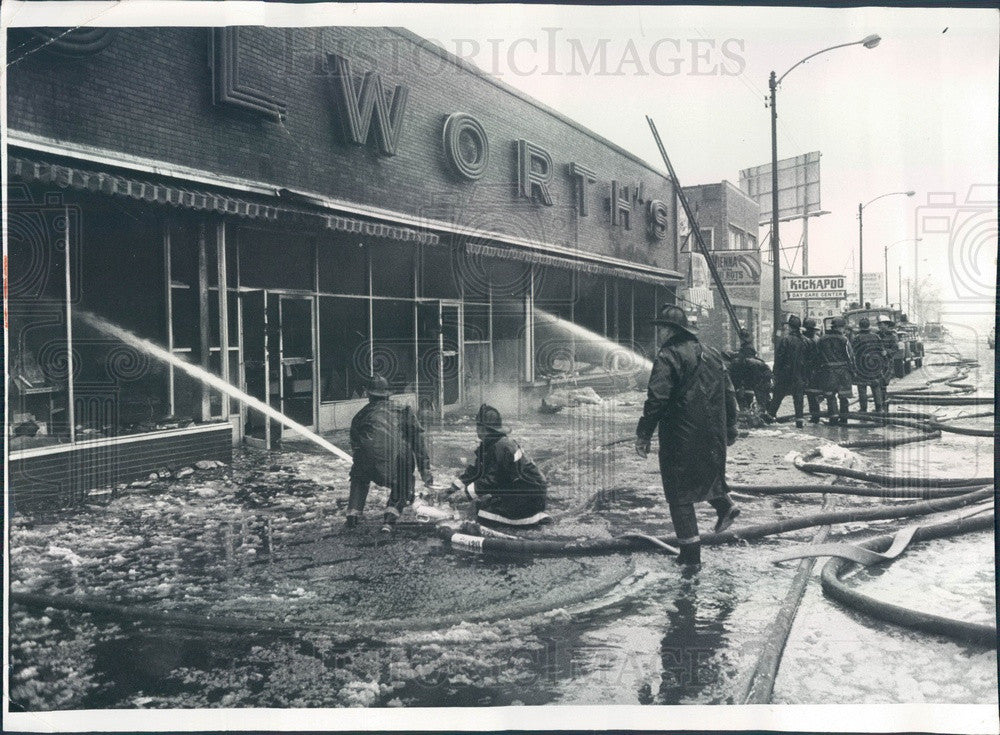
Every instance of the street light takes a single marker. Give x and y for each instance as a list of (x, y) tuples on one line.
[(861, 247), (870, 41), (886, 255)]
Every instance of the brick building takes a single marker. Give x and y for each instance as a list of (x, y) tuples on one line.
[(728, 220), (294, 210)]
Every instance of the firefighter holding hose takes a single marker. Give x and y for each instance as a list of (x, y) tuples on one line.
[(504, 485), (387, 442), (692, 403)]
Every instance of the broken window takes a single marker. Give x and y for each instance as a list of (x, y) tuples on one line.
[(554, 343), (344, 347), (393, 343)]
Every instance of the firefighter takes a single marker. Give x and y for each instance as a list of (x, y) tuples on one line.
[(387, 442), (504, 485), (790, 373), (890, 341), (869, 366), (834, 357), (750, 376), (813, 389), (691, 402)]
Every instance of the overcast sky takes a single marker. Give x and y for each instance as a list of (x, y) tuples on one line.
[(919, 112)]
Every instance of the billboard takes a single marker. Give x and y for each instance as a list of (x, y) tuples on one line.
[(800, 288), (874, 288), (798, 187), (737, 267)]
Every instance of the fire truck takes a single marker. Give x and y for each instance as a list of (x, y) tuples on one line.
[(910, 348)]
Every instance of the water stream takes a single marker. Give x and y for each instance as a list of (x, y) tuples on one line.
[(206, 377), (607, 347)]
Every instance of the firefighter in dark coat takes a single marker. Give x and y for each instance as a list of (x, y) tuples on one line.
[(835, 358), (813, 389), (890, 341), (503, 483), (692, 403), (750, 374), (869, 366), (387, 442), (790, 370)]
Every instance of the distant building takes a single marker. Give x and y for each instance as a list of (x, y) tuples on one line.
[(728, 220)]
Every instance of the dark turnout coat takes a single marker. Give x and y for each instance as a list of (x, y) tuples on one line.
[(870, 358), (504, 472), (692, 402), (387, 442), (835, 359), (791, 363)]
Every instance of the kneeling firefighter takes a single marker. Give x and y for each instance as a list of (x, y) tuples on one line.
[(692, 402), (387, 442), (503, 483)]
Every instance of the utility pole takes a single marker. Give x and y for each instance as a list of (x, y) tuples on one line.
[(775, 240)]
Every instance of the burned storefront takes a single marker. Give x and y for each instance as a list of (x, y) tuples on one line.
[(293, 211)]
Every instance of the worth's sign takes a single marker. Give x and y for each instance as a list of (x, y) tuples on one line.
[(373, 111), (800, 288)]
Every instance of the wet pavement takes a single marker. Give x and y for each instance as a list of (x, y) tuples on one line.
[(373, 621)]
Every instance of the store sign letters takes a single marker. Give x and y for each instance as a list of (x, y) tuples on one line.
[(372, 111)]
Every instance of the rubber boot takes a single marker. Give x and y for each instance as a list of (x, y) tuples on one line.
[(726, 512), (799, 423), (690, 555), (844, 403), (351, 522)]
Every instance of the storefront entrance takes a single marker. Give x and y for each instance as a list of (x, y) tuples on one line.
[(278, 359), (439, 354)]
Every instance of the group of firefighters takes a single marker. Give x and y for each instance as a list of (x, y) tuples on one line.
[(691, 404), (811, 367)]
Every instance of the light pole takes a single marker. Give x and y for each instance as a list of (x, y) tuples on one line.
[(868, 42), (886, 256), (861, 242)]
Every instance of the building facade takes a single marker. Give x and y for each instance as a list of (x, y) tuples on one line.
[(727, 219), (294, 210)]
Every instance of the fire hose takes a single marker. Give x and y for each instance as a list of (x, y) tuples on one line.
[(835, 588), (553, 547), (124, 611), (881, 479)]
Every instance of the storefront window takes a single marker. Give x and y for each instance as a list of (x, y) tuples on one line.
[(554, 343), (442, 273), (37, 410), (343, 347), (645, 311), (625, 311), (343, 266), (275, 260), (393, 344), (120, 388), (393, 266), (509, 282)]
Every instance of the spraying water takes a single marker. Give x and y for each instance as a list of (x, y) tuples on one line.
[(213, 381), (607, 346)]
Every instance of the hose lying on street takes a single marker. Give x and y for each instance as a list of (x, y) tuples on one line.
[(135, 612), (944, 400), (593, 547), (880, 479), (964, 631), (926, 493)]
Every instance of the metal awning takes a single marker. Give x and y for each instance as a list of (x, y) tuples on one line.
[(379, 229), (154, 192), (582, 264)]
